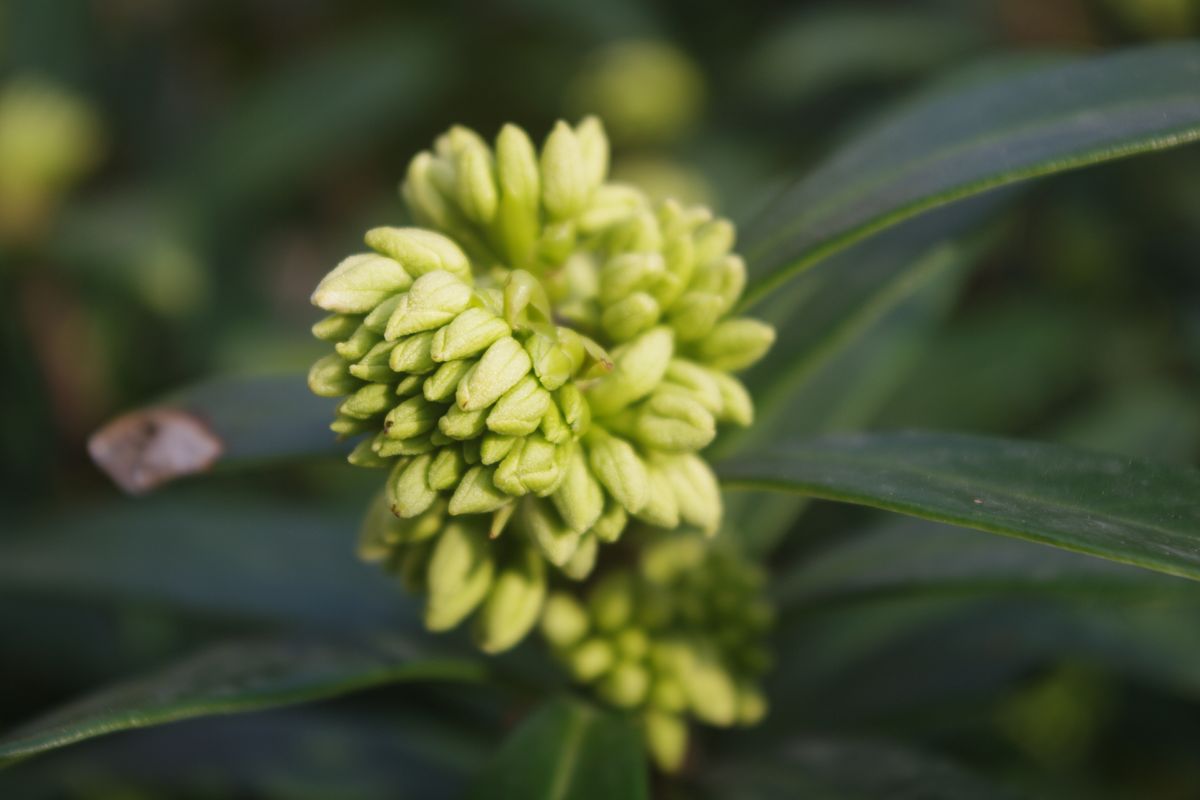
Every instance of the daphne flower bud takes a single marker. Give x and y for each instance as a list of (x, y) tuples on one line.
[(558, 542), (372, 399), (618, 467), (519, 411), (666, 739), (583, 561), (413, 417), (630, 316), (638, 368), (477, 494), (420, 251), (564, 621), (695, 314), (579, 498), (593, 151), (476, 186), (330, 377), (735, 344), (336, 327), (502, 366), (626, 685), (696, 489), (358, 345), (435, 299), (360, 283), (662, 507), (460, 574), (470, 333), (736, 405), (514, 603), (565, 184)]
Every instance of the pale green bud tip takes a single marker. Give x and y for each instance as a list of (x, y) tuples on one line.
[(420, 251), (564, 621), (359, 283), (666, 739)]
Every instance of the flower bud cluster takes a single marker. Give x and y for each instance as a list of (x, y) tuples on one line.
[(681, 634), (546, 355)]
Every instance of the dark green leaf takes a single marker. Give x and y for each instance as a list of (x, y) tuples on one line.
[(836, 769), (956, 144), (1124, 509), (230, 678), (223, 421), (568, 751)]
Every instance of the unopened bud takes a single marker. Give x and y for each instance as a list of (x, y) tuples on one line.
[(593, 149), (617, 466), (408, 492), (519, 411), (583, 561), (630, 316), (463, 425), (579, 498), (674, 421), (372, 399), (446, 468), (735, 344), (374, 365), (514, 602), (477, 494), (612, 521), (612, 601), (590, 659), (696, 489), (495, 447), (358, 345), (476, 188), (471, 332), (443, 383), (555, 538), (336, 327), (713, 240), (666, 738), (638, 368), (662, 508), (420, 251), (501, 367), (413, 417), (434, 300), (626, 684), (565, 184), (737, 405), (359, 283), (564, 620), (330, 377), (695, 314), (460, 573)]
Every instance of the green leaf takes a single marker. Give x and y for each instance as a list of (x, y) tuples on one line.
[(230, 678), (223, 421), (568, 751), (956, 144), (846, 769), (1119, 508)]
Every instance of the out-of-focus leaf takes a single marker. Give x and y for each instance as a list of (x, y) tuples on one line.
[(995, 370), (827, 48), (846, 337), (907, 555), (213, 554), (840, 769), (313, 111), (1150, 420), (224, 421), (230, 678), (1119, 508), (959, 143), (568, 751)]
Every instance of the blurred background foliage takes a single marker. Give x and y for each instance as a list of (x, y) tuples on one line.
[(174, 179)]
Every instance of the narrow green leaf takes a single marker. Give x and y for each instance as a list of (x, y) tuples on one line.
[(231, 678), (568, 751), (1123, 509), (222, 421), (959, 143), (846, 769)]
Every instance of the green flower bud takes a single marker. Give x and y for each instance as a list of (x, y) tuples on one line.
[(617, 466), (666, 739), (554, 427), (579, 498), (514, 603), (611, 204), (590, 659), (471, 332), (628, 273), (557, 541), (564, 620), (736, 405), (408, 490), (420, 251), (533, 465), (638, 368), (695, 314), (565, 183), (460, 574), (434, 300), (552, 363), (628, 317), (593, 151), (611, 523), (372, 399), (696, 490), (576, 411), (735, 344), (360, 283), (413, 417), (517, 221), (443, 383), (374, 365), (358, 345), (463, 425), (495, 447), (673, 421), (350, 426), (412, 354), (502, 366), (477, 494), (626, 685), (364, 455), (713, 241), (711, 692), (446, 469), (376, 322), (668, 695), (611, 602), (330, 377), (632, 643), (336, 327), (583, 561), (476, 188), (519, 411), (662, 508)]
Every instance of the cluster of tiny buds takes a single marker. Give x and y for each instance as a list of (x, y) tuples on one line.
[(681, 633), (536, 365)]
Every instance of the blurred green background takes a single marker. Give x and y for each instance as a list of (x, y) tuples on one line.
[(176, 176)]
